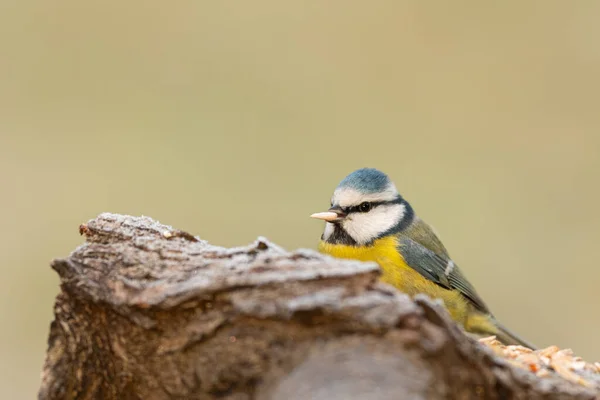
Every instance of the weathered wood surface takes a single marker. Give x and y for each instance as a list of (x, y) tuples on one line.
[(149, 312)]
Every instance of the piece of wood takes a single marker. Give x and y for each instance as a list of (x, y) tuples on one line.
[(150, 312)]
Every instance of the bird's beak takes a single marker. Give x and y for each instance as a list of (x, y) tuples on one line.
[(334, 214)]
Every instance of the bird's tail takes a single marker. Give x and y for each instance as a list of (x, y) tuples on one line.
[(484, 324), (508, 338)]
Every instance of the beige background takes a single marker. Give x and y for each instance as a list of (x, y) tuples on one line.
[(238, 120)]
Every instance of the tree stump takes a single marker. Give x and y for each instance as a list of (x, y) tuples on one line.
[(150, 312)]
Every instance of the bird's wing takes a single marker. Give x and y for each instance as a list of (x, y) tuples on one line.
[(438, 269), (424, 234)]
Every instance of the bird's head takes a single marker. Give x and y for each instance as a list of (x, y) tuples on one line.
[(364, 207)]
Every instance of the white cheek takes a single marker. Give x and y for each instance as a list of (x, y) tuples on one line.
[(364, 227), (329, 228)]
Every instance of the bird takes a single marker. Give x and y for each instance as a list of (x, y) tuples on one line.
[(370, 221)]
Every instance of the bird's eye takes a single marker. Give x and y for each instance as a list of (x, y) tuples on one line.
[(364, 207)]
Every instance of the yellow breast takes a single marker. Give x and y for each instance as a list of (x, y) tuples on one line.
[(397, 273)]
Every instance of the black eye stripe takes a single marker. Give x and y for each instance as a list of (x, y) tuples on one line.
[(374, 204)]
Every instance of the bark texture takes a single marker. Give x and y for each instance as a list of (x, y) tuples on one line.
[(149, 312)]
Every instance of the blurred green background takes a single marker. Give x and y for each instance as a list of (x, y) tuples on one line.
[(233, 120)]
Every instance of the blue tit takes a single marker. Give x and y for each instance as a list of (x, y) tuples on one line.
[(370, 221)]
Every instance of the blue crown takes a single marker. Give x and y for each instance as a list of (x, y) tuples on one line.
[(366, 180)]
